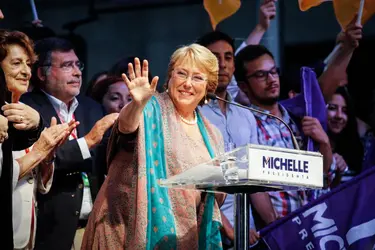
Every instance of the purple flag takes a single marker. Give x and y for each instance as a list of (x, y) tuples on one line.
[(342, 219), (302, 104)]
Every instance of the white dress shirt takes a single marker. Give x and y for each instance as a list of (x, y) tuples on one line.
[(66, 115)]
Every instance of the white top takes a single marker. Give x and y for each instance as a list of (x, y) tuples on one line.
[(24, 198)]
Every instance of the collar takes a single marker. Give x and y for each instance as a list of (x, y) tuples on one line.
[(284, 113), (215, 103), (58, 104)]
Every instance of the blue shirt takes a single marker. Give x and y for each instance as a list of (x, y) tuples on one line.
[(238, 125), (239, 128)]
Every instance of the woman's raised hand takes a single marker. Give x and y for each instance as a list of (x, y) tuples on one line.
[(138, 83)]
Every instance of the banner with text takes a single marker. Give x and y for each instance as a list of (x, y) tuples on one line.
[(341, 219), (285, 166)]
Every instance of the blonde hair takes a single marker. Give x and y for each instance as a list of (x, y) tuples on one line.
[(201, 57)]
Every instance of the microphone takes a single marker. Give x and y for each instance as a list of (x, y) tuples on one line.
[(212, 96)]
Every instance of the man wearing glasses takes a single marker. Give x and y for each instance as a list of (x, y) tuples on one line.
[(258, 77), (64, 211)]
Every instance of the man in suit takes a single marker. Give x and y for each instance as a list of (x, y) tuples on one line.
[(63, 212)]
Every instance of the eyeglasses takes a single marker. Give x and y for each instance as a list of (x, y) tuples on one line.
[(263, 74), (183, 76), (68, 66)]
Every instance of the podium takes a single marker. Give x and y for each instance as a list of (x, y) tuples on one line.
[(251, 169)]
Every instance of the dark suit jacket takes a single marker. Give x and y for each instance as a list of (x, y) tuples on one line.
[(17, 140), (59, 210)]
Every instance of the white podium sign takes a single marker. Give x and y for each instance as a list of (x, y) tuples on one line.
[(285, 166)]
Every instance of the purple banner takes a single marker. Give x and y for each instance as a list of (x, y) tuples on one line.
[(342, 219), (302, 104)]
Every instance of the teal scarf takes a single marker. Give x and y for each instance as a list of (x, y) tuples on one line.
[(161, 228)]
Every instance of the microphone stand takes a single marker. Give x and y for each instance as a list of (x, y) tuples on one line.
[(212, 96)]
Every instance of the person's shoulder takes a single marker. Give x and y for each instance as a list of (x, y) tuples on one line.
[(26, 98), (216, 130), (32, 97), (29, 95), (160, 96), (244, 113), (211, 126), (205, 110), (94, 109), (88, 101)]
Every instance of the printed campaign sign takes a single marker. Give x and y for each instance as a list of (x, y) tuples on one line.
[(285, 166)]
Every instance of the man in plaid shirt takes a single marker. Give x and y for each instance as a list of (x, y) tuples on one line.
[(273, 133), (258, 77)]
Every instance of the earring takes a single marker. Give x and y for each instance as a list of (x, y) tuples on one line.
[(166, 91), (205, 100)]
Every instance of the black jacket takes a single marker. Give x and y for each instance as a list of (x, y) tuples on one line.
[(59, 210)]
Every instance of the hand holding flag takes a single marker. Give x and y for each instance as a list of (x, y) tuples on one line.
[(345, 9), (349, 38), (353, 33)]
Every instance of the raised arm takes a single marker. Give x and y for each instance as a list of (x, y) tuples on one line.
[(335, 73), (267, 12), (141, 91)]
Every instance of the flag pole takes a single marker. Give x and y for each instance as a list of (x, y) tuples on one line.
[(33, 8), (360, 12), (332, 54), (338, 46)]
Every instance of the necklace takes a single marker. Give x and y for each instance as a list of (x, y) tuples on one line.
[(193, 122)]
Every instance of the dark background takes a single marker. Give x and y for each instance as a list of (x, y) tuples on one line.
[(107, 30)]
